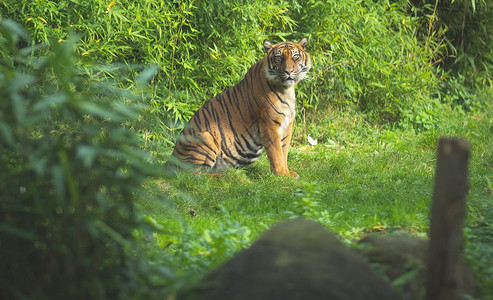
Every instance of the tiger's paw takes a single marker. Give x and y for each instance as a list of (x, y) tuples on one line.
[(285, 172), (215, 175), (289, 173), (294, 174)]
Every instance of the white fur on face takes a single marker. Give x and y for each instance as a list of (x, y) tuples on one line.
[(277, 76)]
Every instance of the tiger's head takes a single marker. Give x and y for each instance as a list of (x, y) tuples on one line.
[(288, 62)]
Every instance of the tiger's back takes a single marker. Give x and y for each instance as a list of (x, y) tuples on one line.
[(231, 129)]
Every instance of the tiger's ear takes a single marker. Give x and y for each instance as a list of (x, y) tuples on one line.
[(267, 45), (303, 43)]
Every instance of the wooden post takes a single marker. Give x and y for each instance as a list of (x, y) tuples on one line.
[(447, 219)]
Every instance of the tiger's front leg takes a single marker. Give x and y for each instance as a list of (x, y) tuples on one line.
[(269, 133), (285, 142)]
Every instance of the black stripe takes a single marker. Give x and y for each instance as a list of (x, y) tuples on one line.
[(253, 69), (248, 144), (206, 122), (276, 122), (229, 118), (196, 121), (208, 147), (191, 157), (278, 97), (270, 102), (274, 107), (224, 147), (253, 139), (193, 145), (236, 101)]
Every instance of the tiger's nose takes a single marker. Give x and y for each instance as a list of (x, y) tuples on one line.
[(289, 72)]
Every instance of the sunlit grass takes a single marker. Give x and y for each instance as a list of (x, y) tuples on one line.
[(360, 180)]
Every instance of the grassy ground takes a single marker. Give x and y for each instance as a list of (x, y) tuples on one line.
[(359, 178)]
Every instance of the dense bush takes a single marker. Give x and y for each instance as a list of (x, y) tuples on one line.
[(388, 58), (69, 173), (190, 41), (365, 53), (464, 30), (467, 26), (69, 170)]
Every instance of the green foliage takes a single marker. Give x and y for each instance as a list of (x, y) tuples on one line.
[(465, 29), (200, 47), (177, 245), (378, 56), (308, 204), (70, 173), (478, 244), (196, 253), (365, 53), (366, 178), (468, 30)]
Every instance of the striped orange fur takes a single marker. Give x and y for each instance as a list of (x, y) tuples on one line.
[(231, 129)]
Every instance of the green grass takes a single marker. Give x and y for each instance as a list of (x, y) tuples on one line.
[(386, 59), (359, 178)]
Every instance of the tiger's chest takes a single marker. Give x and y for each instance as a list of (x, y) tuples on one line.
[(288, 119), (287, 112)]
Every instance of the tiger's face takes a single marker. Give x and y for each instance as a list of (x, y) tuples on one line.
[(288, 62)]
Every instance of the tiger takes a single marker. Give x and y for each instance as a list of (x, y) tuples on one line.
[(232, 128)]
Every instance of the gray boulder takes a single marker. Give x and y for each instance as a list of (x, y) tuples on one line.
[(297, 259), (403, 259)]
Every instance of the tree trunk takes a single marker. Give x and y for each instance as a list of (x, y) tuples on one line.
[(447, 218)]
